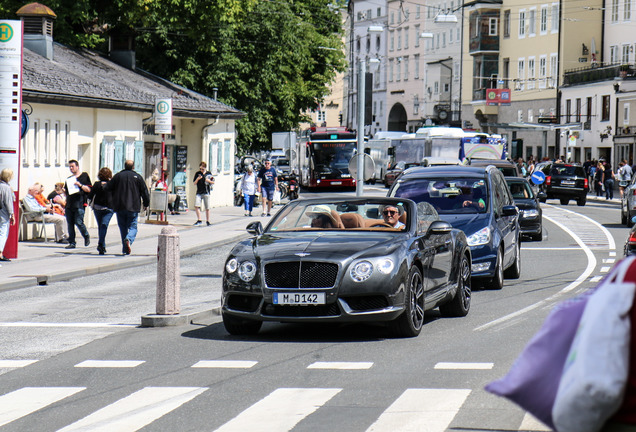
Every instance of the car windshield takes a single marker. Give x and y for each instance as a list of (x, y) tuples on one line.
[(447, 195), (364, 215), (565, 170), (520, 190)]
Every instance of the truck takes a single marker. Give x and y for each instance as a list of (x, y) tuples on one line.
[(378, 148), (284, 145)]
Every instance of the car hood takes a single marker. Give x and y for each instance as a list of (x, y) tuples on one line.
[(330, 245), (526, 204), (469, 223)]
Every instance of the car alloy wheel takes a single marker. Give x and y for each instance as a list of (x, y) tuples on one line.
[(514, 271), (410, 322), (460, 305)]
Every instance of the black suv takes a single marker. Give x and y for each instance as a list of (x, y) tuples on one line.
[(566, 182)]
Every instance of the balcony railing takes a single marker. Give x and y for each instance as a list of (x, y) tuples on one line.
[(598, 73)]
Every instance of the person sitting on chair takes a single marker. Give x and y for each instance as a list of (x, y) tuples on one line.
[(477, 200), (392, 215), (49, 215)]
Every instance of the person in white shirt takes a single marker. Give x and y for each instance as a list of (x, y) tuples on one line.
[(392, 216), (624, 176), (32, 204), (249, 183)]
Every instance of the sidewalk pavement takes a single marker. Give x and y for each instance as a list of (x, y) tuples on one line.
[(40, 263)]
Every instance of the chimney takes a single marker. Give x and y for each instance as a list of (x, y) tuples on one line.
[(38, 28), (121, 48)]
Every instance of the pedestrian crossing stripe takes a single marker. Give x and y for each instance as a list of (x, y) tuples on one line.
[(225, 364), (15, 363), (464, 366), (109, 363), (406, 413), (27, 400), (136, 410), (340, 365), (280, 411)]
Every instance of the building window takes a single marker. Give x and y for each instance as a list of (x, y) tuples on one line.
[(67, 142), (521, 74), (543, 70), (522, 24), (322, 116), (417, 36), (377, 43), (444, 40), (406, 68), (493, 26), (543, 26), (532, 22), (555, 17), (578, 110), (588, 109), (379, 12), (436, 87), (392, 18), (450, 36), (416, 72), (605, 115), (530, 115), (627, 10), (406, 38), (554, 65), (613, 54), (390, 70), (399, 39), (56, 144), (391, 40), (417, 11), (625, 56), (227, 155), (614, 11), (531, 73), (47, 143), (626, 114), (568, 110), (520, 116), (36, 143), (506, 23), (398, 69)]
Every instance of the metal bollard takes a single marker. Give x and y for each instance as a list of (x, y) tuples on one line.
[(168, 272)]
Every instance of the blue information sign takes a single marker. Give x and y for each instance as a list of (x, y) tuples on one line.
[(537, 177)]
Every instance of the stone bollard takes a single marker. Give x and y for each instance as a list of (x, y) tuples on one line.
[(168, 272)]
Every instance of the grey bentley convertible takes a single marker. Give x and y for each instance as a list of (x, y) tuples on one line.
[(347, 260)]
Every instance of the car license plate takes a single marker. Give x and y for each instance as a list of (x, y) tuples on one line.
[(568, 183), (336, 183), (299, 298)]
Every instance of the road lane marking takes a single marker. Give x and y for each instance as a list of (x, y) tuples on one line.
[(464, 366), (78, 325), (109, 363), (340, 365), (136, 410), (15, 363), (280, 411), (531, 423), (605, 269), (591, 264), (609, 261), (225, 364), (611, 244), (596, 278), (573, 248), (612, 254), (26, 400), (430, 410)]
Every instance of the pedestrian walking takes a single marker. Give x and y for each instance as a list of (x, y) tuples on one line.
[(128, 191), (6, 209), (102, 203), (77, 187), (267, 185), (248, 186), (598, 179), (204, 181), (48, 213), (608, 181), (624, 176)]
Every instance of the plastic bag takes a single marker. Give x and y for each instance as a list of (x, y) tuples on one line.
[(595, 373), (276, 199)]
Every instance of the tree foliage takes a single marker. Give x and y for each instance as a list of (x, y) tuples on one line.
[(270, 59)]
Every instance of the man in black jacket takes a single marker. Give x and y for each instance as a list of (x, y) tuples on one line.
[(129, 190)]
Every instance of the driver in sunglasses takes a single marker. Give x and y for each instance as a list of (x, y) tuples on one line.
[(392, 215)]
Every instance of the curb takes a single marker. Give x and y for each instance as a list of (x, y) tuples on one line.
[(154, 320)]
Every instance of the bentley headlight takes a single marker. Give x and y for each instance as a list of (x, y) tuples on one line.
[(530, 213), (231, 265), (247, 271), (481, 237), (361, 271), (385, 265)]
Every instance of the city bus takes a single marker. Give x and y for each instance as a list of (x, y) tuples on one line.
[(323, 157)]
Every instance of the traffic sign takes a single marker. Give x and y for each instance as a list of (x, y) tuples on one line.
[(537, 177), (163, 116)]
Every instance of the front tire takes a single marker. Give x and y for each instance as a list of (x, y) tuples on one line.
[(237, 326), (410, 322), (497, 281), (460, 304), (514, 271)]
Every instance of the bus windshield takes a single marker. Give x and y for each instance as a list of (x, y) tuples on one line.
[(333, 156)]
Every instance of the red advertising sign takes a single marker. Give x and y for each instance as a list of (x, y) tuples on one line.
[(498, 97)]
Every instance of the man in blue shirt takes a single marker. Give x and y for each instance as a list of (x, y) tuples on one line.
[(267, 184)]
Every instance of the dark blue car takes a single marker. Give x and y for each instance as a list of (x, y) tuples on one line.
[(476, 200)]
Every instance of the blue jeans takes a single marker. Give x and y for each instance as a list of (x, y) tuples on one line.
[(609, 188), (103, 219), (127, 222), (75, 216), (249, 202)]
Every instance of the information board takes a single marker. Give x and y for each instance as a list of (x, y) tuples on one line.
[(163, 116)]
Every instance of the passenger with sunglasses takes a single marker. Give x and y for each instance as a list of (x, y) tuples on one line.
[(392, 215)]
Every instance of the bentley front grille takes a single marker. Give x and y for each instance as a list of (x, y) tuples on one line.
[(301, 274)]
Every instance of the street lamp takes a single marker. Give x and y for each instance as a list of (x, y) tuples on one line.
[(361, 108)]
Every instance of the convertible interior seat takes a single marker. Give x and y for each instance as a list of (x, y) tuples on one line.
[(352, 220)]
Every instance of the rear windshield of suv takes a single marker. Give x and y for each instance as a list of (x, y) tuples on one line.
[(567, 170), (447, 195)]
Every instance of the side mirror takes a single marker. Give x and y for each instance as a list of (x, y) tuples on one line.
[(440, 227), (542, 195), (510, 210), (255, 228)]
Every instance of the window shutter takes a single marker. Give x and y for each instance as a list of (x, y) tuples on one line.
[(139, 157), (118, 162)]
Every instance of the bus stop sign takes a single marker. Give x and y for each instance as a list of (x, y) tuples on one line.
[(537, 177)]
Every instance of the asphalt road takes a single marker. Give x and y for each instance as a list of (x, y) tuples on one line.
[(305, 377)]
